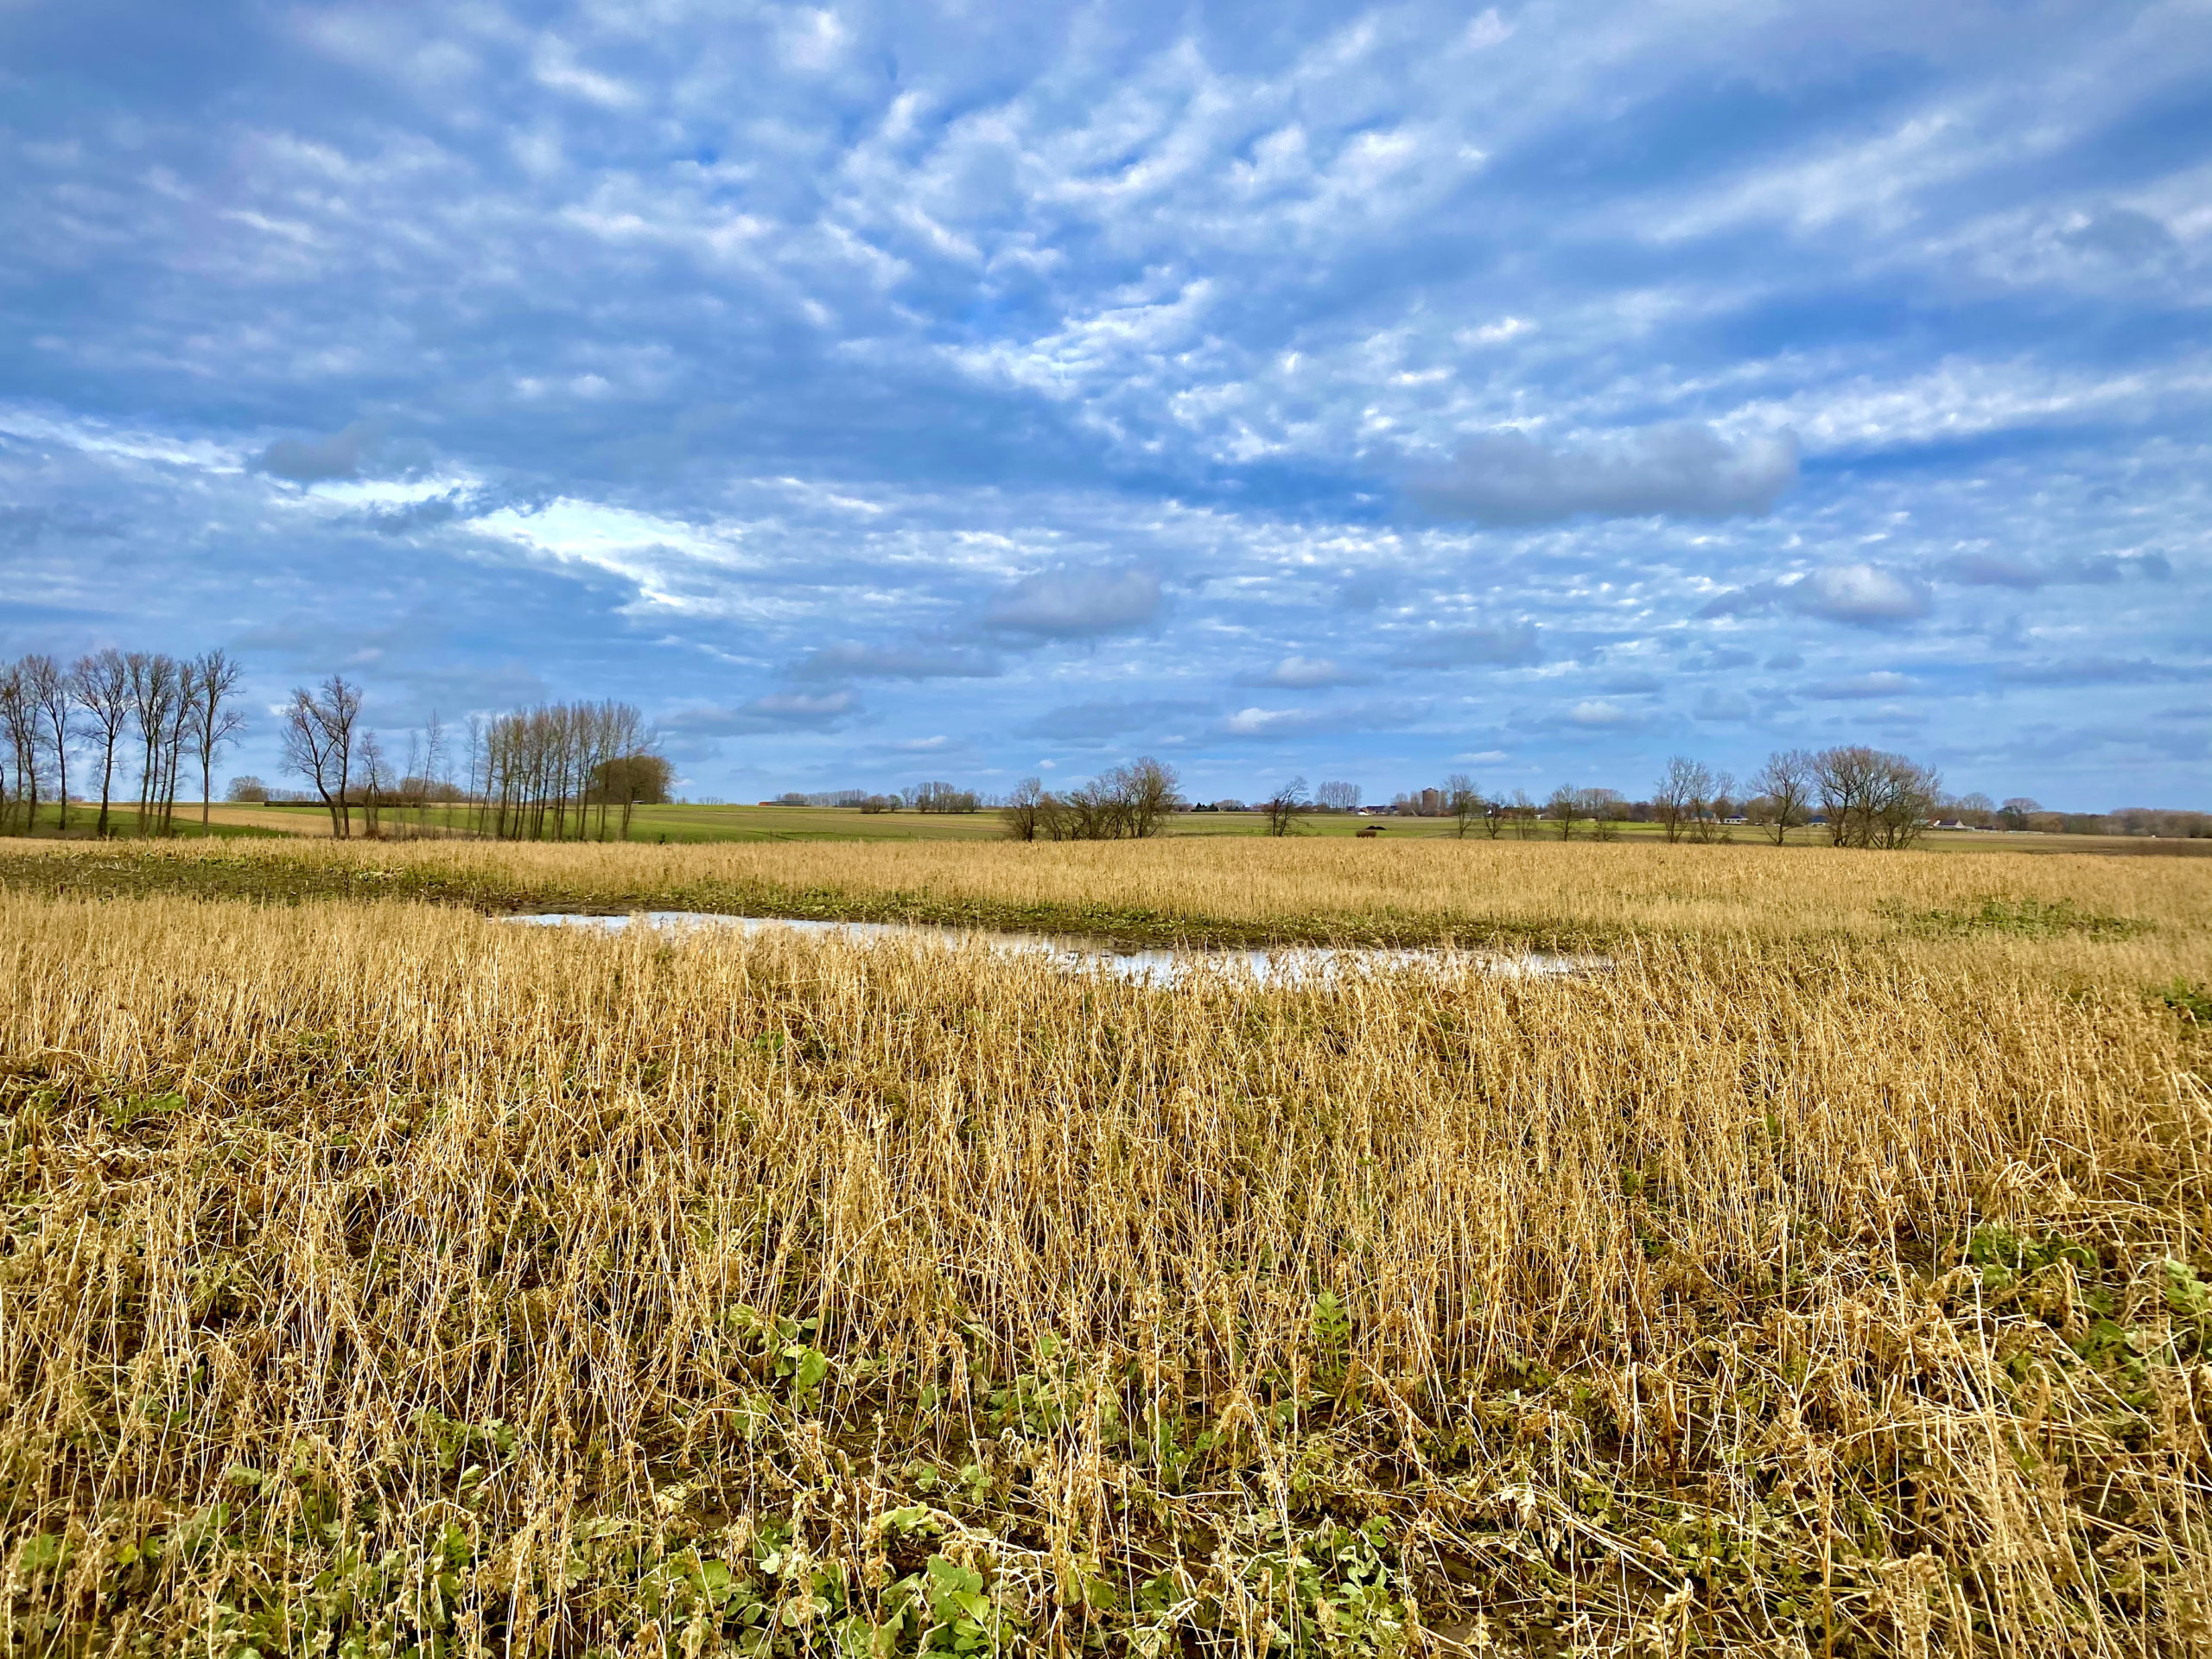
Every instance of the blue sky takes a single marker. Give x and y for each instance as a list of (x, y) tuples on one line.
[(875, 393)]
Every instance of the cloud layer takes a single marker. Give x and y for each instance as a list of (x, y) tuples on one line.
[(1679, 471), (862, 389)]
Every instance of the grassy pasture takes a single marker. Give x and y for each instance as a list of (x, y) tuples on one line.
[(1832, 1277)]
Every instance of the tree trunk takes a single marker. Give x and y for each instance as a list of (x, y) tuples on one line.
[(107, 782)]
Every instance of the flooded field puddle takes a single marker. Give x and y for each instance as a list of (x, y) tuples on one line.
[(1278, 964)]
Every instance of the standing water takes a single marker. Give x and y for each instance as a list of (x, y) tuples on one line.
[(1284, 964)]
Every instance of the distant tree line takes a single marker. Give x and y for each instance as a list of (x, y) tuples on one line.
[(926, 798), (2021, 813), (125, 714), (921, 797), (1860, 797), (1850, 795)]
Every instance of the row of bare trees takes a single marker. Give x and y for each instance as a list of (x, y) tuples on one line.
[(560, 772), (161, 717), (563, 772), (1129, 802)]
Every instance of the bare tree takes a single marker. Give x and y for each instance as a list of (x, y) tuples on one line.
[(434, 764), (1845, 777), (376, 781), (1336, 797), (1094, 811), (2017, 811), (1465, 803), (176, 736), (1872, 799), (318, 744), (1133, 801), (101, 684), (1975, 809), (1604, 808), (154, 689), (1285, 807), (20, 726), (561, 771), (639, 777), (1026, 812), (939, 796), (1153, 792), (46, 687), (476, 791), (1785, 786), (1563, 808), (1523, 812), (1709, 803), (1681, 795), (1904, 801)]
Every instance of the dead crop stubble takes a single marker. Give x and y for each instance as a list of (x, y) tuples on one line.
[(378, 1280), (2078, 912)]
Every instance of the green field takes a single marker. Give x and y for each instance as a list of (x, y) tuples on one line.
[(122, 823)]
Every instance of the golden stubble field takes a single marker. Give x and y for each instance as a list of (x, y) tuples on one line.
[(1828, 1278), (2133, 917)]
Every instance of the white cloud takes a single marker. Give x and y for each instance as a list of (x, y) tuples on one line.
[(812, 38), (1495, 333), (1297, 673), (557, 67), (1487, 31), (1858, 593), (1253, 722)]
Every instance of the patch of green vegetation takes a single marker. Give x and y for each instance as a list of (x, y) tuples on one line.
[(124, 1112), (2005, 1257), (2122, 1312), (2192, 1001), (2028, 918)]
